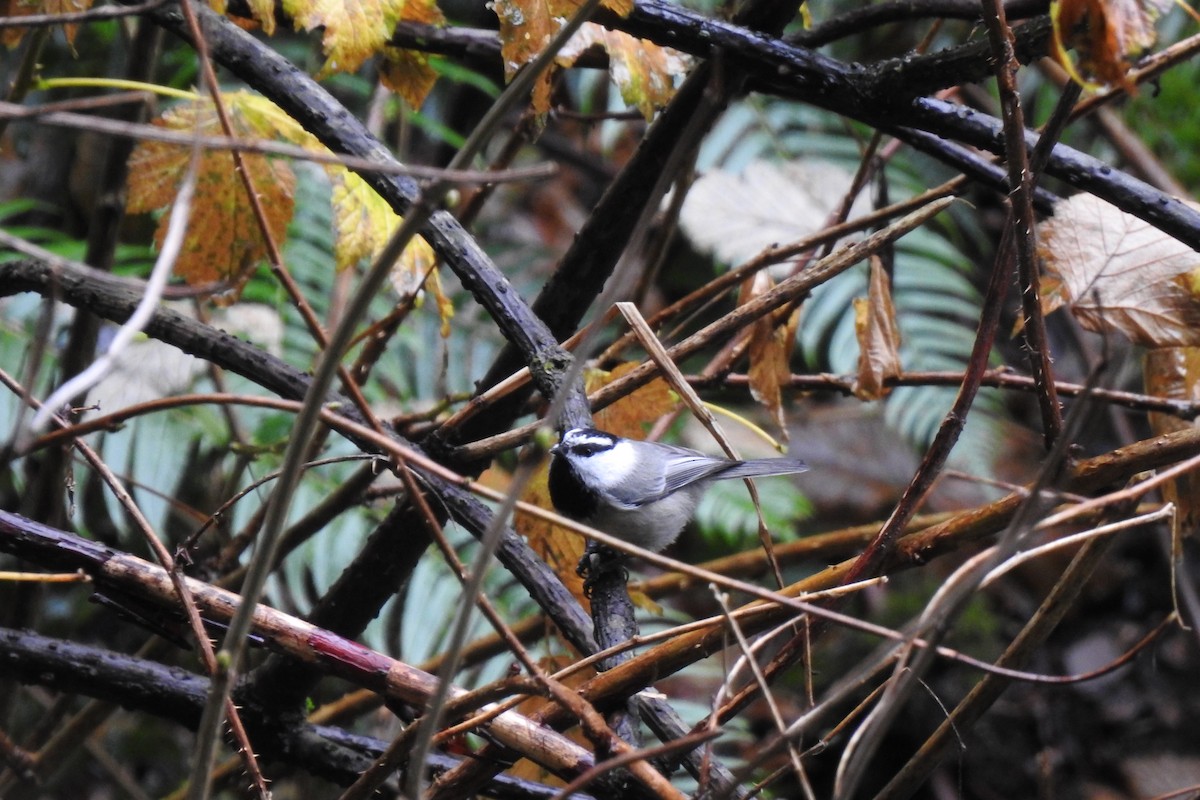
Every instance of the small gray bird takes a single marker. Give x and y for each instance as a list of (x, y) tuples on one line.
[(642, 492)]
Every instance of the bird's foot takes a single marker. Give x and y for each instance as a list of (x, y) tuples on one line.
[(597, 563)]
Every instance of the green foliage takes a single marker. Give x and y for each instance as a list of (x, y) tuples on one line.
[(50, 239), (936, 304), (464, 75), (1169, 121), (727, 519)]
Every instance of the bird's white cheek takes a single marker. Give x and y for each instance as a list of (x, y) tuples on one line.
[(610, 467)]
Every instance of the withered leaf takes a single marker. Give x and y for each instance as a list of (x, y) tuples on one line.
[(1174, 372), (1106, 34), (878, 336), (223, 237), (1121, 274), (772, 340)]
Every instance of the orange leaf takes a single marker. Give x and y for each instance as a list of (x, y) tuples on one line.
[(23, 8), (1106, 34), (560, 548), (1174, 372), (631, 415), (223, 238), (408, 74), (355, 30), (770, 350), (878, 336)]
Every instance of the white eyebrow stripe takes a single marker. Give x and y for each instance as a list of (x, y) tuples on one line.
[(579, 437)]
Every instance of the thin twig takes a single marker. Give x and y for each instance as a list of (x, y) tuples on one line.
[(68, 17), (1021, 180), (172, 243), (49, 114)]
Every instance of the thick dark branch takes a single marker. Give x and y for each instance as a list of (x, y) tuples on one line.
[(876, 95), (857, 20), (309, 104), (177, 695), (856, 92), (115, 298)]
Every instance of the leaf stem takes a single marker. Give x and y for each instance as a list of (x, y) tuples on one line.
[(115, 83)]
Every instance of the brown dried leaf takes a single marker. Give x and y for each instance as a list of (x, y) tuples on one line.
[(1106, 34), (1174, 372), (408, 74), (24, 8), (1122, 274), (560, 548), (772, 341), (223, 238), (878, 336)]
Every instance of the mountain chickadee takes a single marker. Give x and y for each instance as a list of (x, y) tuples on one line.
[(642, 492)]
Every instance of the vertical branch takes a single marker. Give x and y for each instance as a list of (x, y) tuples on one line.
[(1020, 180)]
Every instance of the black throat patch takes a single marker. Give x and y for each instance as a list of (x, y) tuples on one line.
[(571, 497)]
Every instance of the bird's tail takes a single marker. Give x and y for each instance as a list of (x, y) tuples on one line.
[(761, 467)]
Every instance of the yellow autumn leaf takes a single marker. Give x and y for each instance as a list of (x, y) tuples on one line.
[(269, 121), (527, 26), (355, 30), (363, 222), (223, 238), (642, 71)]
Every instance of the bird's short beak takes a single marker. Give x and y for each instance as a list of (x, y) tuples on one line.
[(554, 450)]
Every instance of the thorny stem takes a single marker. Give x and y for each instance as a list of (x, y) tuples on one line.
[(1021, 181)]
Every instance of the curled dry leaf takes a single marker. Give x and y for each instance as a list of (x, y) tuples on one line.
[(772, 340), (1174, 372), (1106, 34), (1120, 274), (642, 71), (878, 336)]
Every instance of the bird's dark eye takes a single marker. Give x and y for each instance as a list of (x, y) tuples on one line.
[(590, 449)]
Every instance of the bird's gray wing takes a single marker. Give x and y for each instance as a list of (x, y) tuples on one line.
[(685, 467)]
